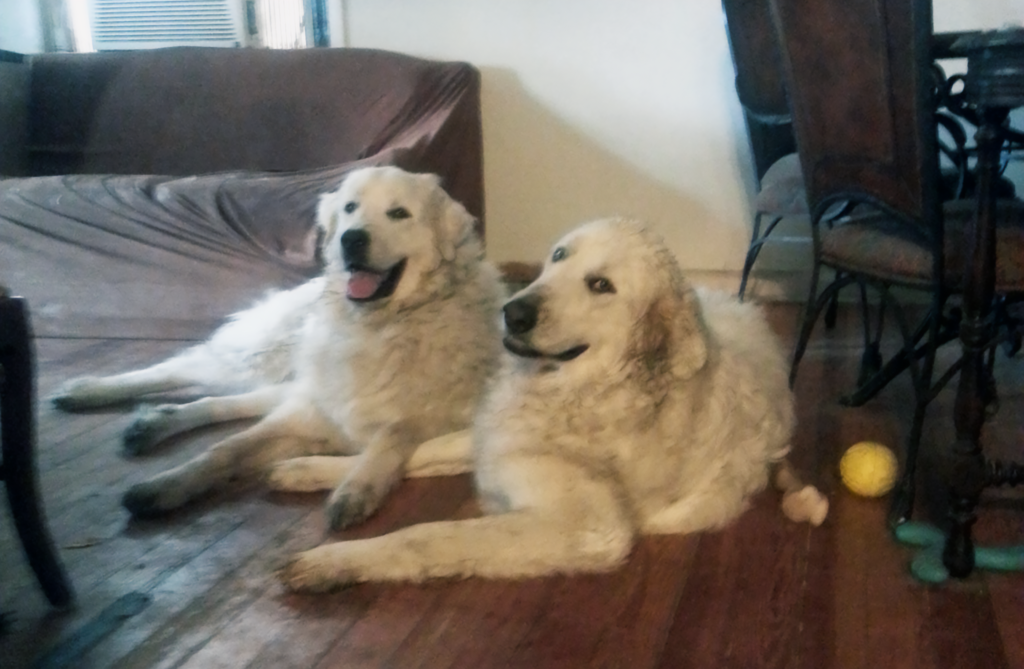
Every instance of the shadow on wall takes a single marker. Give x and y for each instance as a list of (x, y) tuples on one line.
[(544, 177)]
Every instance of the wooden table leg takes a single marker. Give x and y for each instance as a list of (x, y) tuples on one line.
[(966, 473)]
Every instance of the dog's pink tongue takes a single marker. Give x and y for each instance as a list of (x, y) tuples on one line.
[(363, 284)]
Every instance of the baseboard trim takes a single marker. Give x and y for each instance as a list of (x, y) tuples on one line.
[(784, 286)]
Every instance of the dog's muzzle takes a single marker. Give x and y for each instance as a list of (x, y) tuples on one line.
[(366, 283), (521, 316)]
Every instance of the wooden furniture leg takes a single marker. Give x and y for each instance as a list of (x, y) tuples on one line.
[(967, 474), (18, 466)]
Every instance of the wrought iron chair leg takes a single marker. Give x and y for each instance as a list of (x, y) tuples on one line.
[(832, 313), (757, 240), (902, 505), (806, 326), (871, 357), (815, 304)]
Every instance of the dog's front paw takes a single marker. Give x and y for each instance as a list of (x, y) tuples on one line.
[(313, 572), (77, 394), (308, 474), (349, 505), (147, 429), (289, 476), (153, 498)]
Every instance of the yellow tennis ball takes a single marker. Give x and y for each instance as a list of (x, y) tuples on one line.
[(868, 469)]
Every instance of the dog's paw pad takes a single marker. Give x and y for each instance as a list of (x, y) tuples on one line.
[(300, 574), (145, 501), (147, 428), (62, 401), (290, 476), (74, 394), (295, 575), (138, 438), (348, 508), (280, 477)]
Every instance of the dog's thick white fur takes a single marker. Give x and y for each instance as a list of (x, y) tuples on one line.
[(390, 347), (629, 403)]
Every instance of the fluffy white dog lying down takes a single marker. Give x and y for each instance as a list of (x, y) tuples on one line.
[(390, 347), (629, 404)]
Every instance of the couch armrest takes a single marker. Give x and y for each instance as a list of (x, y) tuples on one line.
[(14, 93)]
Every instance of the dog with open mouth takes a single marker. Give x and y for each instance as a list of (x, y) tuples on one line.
[(392, 346), (629, 403)]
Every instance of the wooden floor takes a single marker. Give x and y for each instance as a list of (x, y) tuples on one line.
[(763, 593)]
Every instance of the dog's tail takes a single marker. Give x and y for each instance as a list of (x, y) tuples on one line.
[(800, 502)]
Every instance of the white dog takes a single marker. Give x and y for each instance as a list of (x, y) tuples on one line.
[(391, 347), (630, 404)]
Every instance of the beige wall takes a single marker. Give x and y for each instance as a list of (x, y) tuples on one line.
[(600, 107), (592, 108)]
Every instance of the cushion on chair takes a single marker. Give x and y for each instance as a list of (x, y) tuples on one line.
[(782, 189), (882, 246)]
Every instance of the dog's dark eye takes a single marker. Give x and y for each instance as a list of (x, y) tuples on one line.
[(559, 254), (599, 284), (398, 213), (350, 207)]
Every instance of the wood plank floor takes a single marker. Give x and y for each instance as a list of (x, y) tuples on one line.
[(762, 593)]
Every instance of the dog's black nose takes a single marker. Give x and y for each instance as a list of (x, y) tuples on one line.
[(354, 244), (521, 314)]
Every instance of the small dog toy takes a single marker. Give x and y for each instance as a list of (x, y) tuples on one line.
[(800, 502), (868, 469)]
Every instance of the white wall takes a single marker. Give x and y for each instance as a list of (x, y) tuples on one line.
[(951, 15), (21, 29)]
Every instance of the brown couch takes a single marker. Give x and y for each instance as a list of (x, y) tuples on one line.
[(149, 194)]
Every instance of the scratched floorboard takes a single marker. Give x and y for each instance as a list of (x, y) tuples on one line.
[(762, 593)]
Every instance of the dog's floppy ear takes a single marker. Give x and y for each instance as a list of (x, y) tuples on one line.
[(690, 338), (327, 213), (458, 224), (454, 223), (668, 341)]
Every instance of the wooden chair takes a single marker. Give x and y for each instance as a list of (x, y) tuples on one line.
[(17, 433), (862, 91), (760, 88)]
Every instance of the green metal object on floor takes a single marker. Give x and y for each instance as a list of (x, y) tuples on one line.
[(927, 564)]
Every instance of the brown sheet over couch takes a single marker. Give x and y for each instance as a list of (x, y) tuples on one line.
[(187, 178)]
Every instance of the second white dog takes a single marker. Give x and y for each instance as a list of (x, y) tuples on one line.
[(629, 403)]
